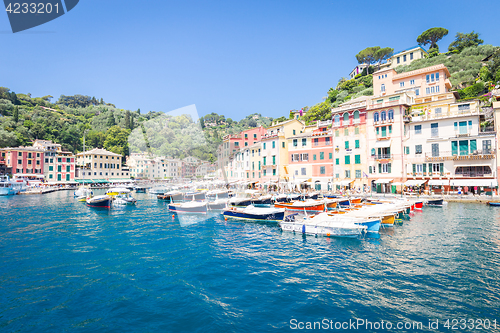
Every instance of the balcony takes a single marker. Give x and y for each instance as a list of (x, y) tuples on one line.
[(349, 106), (487, 154), (382, 156)]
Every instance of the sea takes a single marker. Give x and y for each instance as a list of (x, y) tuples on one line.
[(65, 267)]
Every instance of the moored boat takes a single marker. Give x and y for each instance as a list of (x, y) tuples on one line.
[(188, 207), (9, 187), (171, 196), (325, 225), (496, 204), (437, 202), (308, 205), (268, 214), (194, 196), (263, 200), (218, 204), (240, 202)]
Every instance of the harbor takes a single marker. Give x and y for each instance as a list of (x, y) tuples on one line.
[(99, 266)]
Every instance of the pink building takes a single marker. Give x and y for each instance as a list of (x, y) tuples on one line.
[(425, 81), (25, 162), (233, 142)]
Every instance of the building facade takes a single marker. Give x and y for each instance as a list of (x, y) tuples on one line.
[(99, 165)]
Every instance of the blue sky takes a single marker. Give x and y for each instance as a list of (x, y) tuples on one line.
[(230, 57)]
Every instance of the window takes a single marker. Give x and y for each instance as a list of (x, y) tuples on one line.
[(401, 84), (357, 159), (434, 130), (346, 119), (322, 170), (255, 136), (375, 117), (67, 168), (398, 61), (346, 132), (237, 144), (356, 130), (411, 55), (337, 161), (303, 171), (329, 156), (314, 157), (407, 150), (383, 116), (337, 133), (305, 157), (274, 144), (19, 161), (296, 172), (59, 168), (358, 173), (348, 174), (382, 88), (264, 160), (264, 172), (417, 92), (427, 78), (316, 141), (418, 129), (418, 149), (404, 58), (264, 145), (384, 168), (356, 116), (464, 107), (304, 142), (435, 149), (259, 165), (437, 76), (346, 145), (390, 114), (390, 129), (336, 120), (295, 142), (347, 159), (274, 172), (51, 168), (437, 112), (321, 155), (327, 141), (377, 130), (293, 132)]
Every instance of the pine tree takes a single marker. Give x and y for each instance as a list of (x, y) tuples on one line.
[(127, 119), (111, 119), (138, 111)]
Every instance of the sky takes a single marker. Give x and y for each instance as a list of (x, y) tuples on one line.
[(230, 57)]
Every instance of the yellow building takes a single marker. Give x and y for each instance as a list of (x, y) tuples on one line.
[(101, 166)]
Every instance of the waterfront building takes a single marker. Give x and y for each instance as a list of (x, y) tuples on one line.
[(143, 166), (446, 145), (233, 142), (4, 169), (275, 150), (59, 165), (205, 170), (100, 166), (350, 144), (25, 162), (385, 133), (189, 165), (255, 167)]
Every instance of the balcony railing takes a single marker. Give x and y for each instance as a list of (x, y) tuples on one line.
[(382, 156), (486, 154)]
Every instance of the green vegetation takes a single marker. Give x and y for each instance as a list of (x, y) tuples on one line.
[(463, 41)]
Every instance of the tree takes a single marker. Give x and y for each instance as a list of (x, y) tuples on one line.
[(127, 119), (117, 140), (15, 114), (432, 36), (111, 119), (383, 54), (7, 139), (367, 56), (465, 40)]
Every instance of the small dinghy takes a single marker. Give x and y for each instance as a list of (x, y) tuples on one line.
[(438, 202), (496, 204), (189, 207), (325, 225), (100, 201)]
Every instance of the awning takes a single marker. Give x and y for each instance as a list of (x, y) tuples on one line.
[(474, 182), (383, 144), (438, 182), (383, 181), (100, 181), (415, 182), (84, 181)]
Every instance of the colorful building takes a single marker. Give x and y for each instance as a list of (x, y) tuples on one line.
[(59, 166), (25, 162), (100, 166)]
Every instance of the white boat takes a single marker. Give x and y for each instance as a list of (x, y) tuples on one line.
[(188, 207), (10, 187), (218, 204), (267, 214), (124, 199), (83, 192), (324, 225)]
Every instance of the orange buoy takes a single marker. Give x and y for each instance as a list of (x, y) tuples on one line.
[(173, 215)]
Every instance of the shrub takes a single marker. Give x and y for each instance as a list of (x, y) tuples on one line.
[(472, 91)]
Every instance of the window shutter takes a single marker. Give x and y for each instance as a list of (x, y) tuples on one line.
[(389, 167), (441, 168), (414, 169), (424, 167), (430, 169), (380, 168)]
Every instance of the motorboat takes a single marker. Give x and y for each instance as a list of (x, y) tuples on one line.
[(99, 201), (263, 200), (194, 196), (267, 214), (124, 199), (217, 194), (307, 205), (325, 225), (240, 202), (171, 196), (189, 207), (157, 190), (437, 202), (495, 204), (83, 191), (217, 204), (140, 189), (281, 198)]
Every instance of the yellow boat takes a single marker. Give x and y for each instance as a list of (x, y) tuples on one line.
[(388, 220)]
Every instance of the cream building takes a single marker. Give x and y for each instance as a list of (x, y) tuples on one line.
[(101, 166)]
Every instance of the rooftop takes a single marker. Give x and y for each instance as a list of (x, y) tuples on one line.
[(98, 151)]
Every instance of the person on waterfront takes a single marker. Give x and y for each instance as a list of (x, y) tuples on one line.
[(459, 190)]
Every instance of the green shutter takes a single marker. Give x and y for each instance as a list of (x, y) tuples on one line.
[(348, 159), (357, 159), (424, 168), (347, 145), (337, 161), (414, 169), (464, 147), (430, 169), (329, 156), (321, 155), (356, 144), (441, 168), (59, 169), (314, 157), (384, 133), (389, 167), (380, 168), (264, 161), (274, 160), (454, 148)]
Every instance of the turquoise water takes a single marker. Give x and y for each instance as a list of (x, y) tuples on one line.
[(65, 267)]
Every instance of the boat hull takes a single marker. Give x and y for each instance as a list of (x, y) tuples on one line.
[(271, 217), (322, 230), (180, 208), (371, 226), (300, 208), (99, 202), (495, 204), (240, 203), (169, 197), (435, 202)]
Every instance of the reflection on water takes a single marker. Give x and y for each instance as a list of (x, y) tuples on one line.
[(138, 268)]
